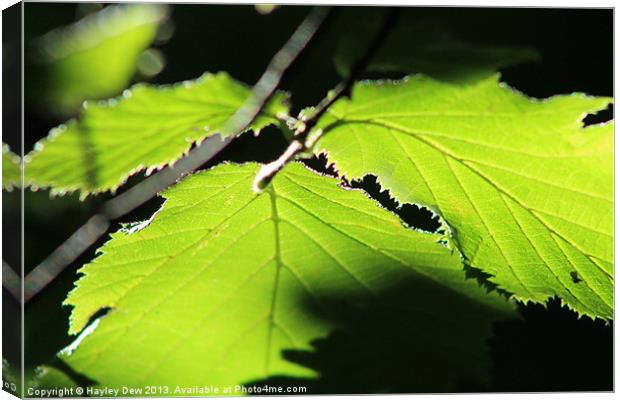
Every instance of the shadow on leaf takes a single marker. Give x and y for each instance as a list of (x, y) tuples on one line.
[(386, 349), (417, 337)]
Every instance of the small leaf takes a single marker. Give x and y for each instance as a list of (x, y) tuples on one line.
[(94, 58), (148, 128), (527, 191), (221, 280), (11, 169)]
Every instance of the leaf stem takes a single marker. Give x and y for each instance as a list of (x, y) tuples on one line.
[(307, 123)]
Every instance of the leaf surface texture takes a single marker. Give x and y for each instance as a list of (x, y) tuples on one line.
[(527, 191), (222, 280)]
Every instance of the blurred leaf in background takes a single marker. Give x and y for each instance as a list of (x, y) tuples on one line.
[(95, 57), (423, 45)]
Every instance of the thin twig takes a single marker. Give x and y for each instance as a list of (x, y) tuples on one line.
[(122, 204), (302, 141), (269, 81), (11, 281)]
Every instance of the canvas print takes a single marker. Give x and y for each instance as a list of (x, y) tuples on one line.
[(212, 200)]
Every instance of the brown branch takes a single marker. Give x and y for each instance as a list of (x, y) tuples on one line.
[(122, 204), (302, 141)]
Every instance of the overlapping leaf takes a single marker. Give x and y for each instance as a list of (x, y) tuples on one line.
[(221, 280), (527, 190), (94, 58), (11, 170), (150, 127)]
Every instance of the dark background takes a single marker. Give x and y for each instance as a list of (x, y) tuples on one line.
[(548, 349)]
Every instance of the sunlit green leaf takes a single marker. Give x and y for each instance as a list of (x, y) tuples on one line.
[(527, 191), (148, 128), (220, 281)]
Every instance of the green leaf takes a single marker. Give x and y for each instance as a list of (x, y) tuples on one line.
[(427, 47), (527, 191), (148, 128), (94, 58), (221, 280), (11, 169)]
